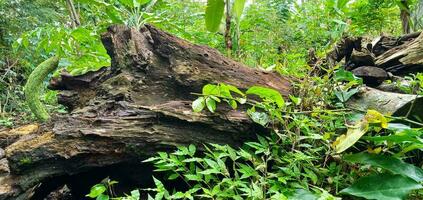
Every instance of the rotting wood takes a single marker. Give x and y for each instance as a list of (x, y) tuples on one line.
[(135, 108)]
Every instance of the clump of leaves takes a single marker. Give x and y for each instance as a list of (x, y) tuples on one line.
[(105, 191)]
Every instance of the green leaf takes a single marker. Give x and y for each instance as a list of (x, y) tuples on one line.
[(383, 187), (295, 100), (211, 104), (135, 194), (214, 14), (389, 163), (211, 89), (239, 8), (103, 197), (173, 177), (259, 117), (343, 75), (199, 104), (343, 96), (97, 190), (233, 104), (233, 89), (302, 194), (267, 94), (114, 15), (142, 2), (404, 136), (133, 3)]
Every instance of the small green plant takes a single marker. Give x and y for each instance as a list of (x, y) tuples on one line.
[(105, 191), (283, 165)]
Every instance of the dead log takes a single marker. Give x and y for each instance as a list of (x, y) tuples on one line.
[(125, 113), (388, 103), (372, 76), (404, 58)]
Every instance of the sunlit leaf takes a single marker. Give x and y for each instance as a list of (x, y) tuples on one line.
[(97, 190), (259, 117), (211, 104), (354, 133), (267, 94), (373, 116), (199, 104), (214, 14), (238, 8)]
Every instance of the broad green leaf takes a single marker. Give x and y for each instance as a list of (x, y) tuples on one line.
[(97, 190), (343, 75), (267, 94), (353, 134), (389, 163), (407, 135), (199, 104), (239, 8), (211, 104), (211, 89), (214, 14), (411, 148), (383, 187), (114, 14)]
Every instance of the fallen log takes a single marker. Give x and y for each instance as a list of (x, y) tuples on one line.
[(125, 113), (398, 55), (404, 58), (388, 103)]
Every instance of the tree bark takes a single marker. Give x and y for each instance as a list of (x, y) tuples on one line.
[(135, 108), (404, 58)]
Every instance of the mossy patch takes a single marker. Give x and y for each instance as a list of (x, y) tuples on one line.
[(34, 85)]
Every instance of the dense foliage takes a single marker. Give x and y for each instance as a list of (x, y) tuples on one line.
[(316, 149)]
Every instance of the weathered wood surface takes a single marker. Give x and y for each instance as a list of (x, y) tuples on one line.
[(388, 103), (380, 59), (138, 106), (398, 55)]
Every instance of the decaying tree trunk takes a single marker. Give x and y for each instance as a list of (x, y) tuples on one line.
[(375, 61), (388, 103), (135, 108), (403, 59)]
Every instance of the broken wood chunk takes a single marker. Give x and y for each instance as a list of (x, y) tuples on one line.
[(372, 76)]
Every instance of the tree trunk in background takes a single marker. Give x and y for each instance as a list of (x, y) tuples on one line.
[(73, 14), (405, 16), (125, 113), (228, 38)]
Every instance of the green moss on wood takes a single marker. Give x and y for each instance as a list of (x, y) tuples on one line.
[(34, 86)]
